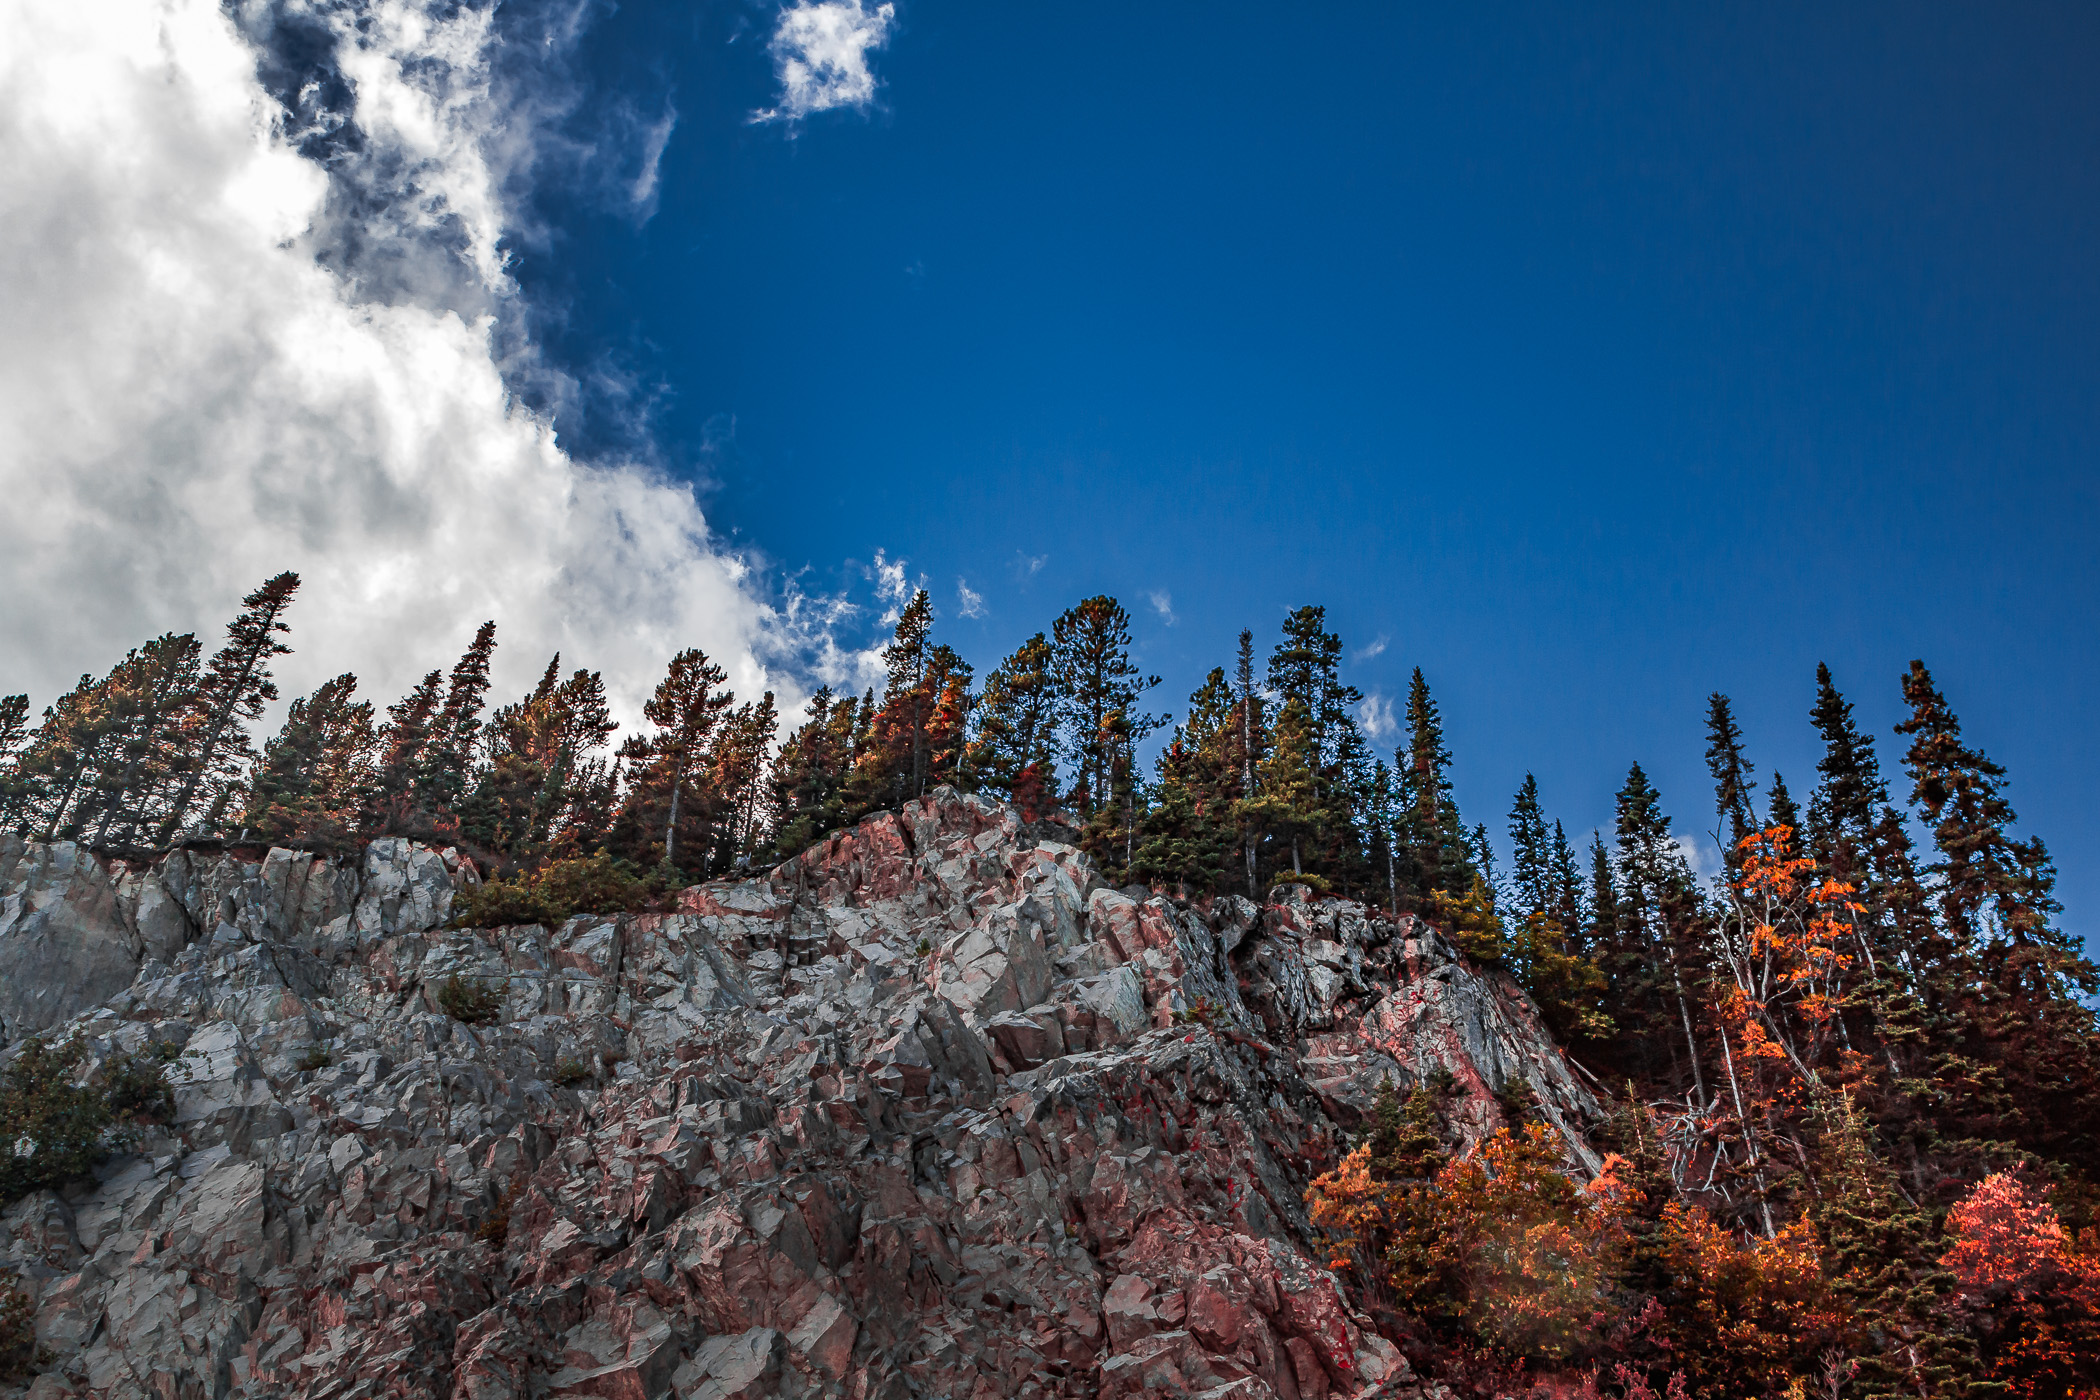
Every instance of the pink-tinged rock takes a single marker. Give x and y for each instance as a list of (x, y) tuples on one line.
[(1214, 1319), (743, 1366), (825, 1335), (1306, 1369), (1127, 1309)]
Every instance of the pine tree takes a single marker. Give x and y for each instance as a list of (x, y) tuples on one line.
[(737, 771), (544, 780), (1094, 678), (14, 732), (1017, 722), (234, 688), (149, 708), (907, 659), (447, 761), (1305, 668), (313, 778), (685, 709), (1286, 806), (1734, 785), (402, 741), (1253, 735), (809, 777), (1568, 907)]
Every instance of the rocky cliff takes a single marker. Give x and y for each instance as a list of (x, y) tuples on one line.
[(929, 1110)]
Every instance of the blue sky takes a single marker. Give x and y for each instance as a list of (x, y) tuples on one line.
[(1590, 358)]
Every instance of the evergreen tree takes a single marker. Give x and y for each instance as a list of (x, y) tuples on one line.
[(908, 660), (1017, 723), (148, 710), (667, 765), (1286, 806), (1568, 907), (737, 770), (545, 781), (447, 761), (313, 778), (1305, 669), (1532, 873), (1094, 677), (1784, 810), (1251, 722), (1658, 916), (1439, 857), (1734, 785), (809, 777), (401, 743), (14, 732), (234, 688), (1843, 810)]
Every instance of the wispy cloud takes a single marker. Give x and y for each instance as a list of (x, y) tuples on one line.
[(1376, 648), (972, 601), (1027, 566), (1376, 716), (1163, 604), (892, 586), (654, 140), (820, 53)]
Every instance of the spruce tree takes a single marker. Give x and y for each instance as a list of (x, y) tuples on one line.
[(1253, 733), (1658, 914), (1305, 668), (313, 777), (1438, 846), (149, 708), (402, 740), (234, 688), (447, 761), (1734, 778), (1850, 793), (1531, 861), (14, 785), (1017, 721)]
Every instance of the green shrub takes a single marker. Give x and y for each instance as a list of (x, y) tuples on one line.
[(569, 1073), (53, 1130), (315, 1058), (19, 1353), (581, 885), (470, 1001)]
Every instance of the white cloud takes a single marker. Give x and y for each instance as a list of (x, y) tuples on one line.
[(642, 194), (1376, 648), (1699, 853), (1029, 565), (222, 358), (1376, 716), (972, 600), (1163, 604), (820, 52)]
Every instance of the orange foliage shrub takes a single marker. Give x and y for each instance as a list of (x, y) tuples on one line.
[(1745, 1318), (2035, 1297), (1501, 1244)]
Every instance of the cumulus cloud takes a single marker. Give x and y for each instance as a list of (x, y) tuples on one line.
[(247, 334), (1163, 604), (820, 53), (972, 602), (1376, 716)]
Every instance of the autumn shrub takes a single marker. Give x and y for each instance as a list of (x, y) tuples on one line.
[(1745, 1317), (2033, 1294), (579, 885), (1500, 1247), (471, 1002)]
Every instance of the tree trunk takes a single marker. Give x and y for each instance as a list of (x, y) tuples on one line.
[(671, 827)]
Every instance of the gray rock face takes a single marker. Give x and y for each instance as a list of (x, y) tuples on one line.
[(929, 1110)]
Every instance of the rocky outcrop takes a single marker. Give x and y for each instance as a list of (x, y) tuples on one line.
[(929, 1110)]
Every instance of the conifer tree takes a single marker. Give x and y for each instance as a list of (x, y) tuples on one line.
[(809, 777), (1850, 793), (544, 780), (1306, 668), (1095, 677), (1567, 906), (1734, 785), (14, 732), (685, 709), (446, 764), (1438, 846), (1784, 810), (312, 779), (1531, 859), (907, 659), (1658, 912), (234, 688), (148, 709), (1253, 739), (737, 770), (402, 741), (1017, 722), (1286, 805)]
